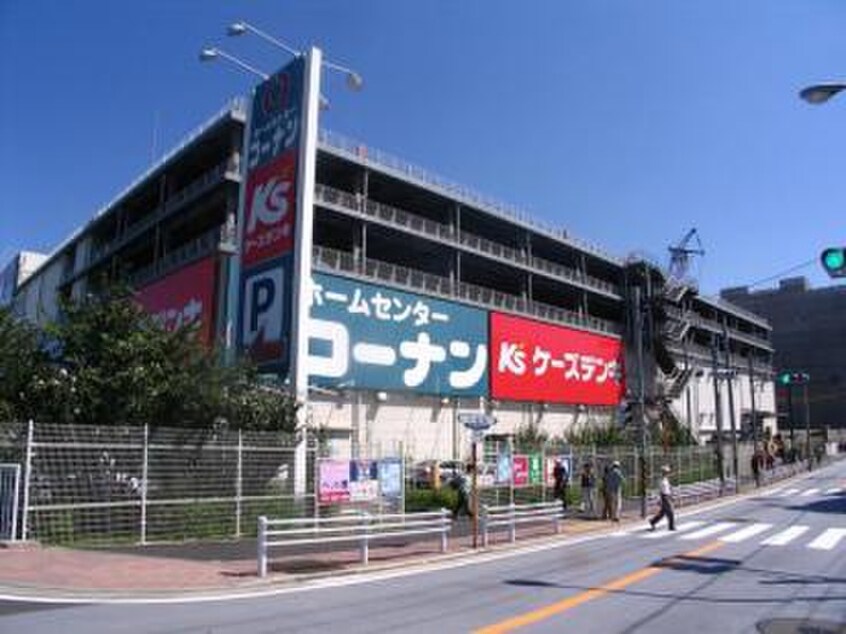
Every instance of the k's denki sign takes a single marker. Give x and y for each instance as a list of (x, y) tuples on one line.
[(534, 361), (269, 210), (372, 337)]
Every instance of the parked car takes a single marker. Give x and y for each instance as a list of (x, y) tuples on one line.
[(423, 473)]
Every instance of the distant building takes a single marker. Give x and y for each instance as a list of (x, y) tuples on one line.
[(16, 272), (809, 334)]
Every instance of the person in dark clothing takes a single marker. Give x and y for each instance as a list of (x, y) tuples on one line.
[(561, 478), (588, 483), (462, 485)]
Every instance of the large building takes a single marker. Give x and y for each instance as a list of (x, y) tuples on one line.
[(809, 335), (426, 299)]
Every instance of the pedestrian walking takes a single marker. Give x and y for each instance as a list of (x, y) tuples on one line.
[(588, 482), (614, 485), (561, 480), (461, 483), (606, 493), (666, 509)]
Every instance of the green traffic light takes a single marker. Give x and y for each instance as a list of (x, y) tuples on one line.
[(834, 259), (784, 379)]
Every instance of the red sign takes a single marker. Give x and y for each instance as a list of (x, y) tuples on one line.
[(184, 297), (533, 361), (521, 470), (269, 210)]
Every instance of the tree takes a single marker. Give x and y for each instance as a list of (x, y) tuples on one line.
[(113, 364)]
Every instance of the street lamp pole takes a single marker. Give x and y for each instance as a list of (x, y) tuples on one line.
[(817, 94), (212, 53)]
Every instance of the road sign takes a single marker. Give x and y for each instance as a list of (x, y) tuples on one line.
[(476, 421)]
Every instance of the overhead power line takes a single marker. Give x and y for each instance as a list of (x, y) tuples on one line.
[(783, 273)]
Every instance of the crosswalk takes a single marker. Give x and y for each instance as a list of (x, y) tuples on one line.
[(766, 534), (735, 533)]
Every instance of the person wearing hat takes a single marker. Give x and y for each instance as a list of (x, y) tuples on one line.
[(666, 509), (614, 487)]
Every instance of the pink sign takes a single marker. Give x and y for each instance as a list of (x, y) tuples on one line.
[(334, 476), (521, 470)]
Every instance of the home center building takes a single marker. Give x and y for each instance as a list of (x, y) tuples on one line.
[(391, 300)]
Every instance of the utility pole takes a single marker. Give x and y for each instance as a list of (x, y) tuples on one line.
[(807, 423), (641, 414), (754, 418), (729, 374), (790, 416), (718, 415)]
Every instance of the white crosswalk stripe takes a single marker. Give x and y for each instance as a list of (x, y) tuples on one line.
[(684, 526), (786, 536), (745, 533), (833, 491), (828, 539), (809, 492), (789, 492), (719, 527)]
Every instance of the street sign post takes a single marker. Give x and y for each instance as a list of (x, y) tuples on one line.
[(478, 423)]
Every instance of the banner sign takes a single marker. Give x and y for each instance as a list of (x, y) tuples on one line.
[(503, 467), (535, 468), (534, 361), (334, 481), (390, 477), (373, 337), (521, 470), (184, 298), (268, 218)]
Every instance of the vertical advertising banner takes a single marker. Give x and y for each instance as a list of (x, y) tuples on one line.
[(269, 217), (534, 361), (334, 481), (373, 337), (535, 468), (521, 470)]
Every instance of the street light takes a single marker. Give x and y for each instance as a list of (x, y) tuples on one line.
[(211, 53), (820, 93), (354, 80)]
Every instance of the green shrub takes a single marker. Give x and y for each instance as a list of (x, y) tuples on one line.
[(430, 499)]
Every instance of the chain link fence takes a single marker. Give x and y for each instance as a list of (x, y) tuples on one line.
[(97, 485)]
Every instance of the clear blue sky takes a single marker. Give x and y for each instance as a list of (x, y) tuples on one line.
[(624, 122)]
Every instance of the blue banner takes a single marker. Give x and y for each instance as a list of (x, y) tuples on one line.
[(364, 336)]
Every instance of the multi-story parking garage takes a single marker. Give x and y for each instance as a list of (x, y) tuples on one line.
[(426, 300)]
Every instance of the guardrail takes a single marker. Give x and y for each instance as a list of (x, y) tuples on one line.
[(511, 515), (362, 528), (694, 493)]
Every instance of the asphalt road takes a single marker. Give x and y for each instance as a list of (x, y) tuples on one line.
[(773, 563)]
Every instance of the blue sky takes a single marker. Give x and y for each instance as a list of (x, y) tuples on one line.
[(624, 122)]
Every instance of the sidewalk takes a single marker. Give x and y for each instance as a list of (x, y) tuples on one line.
[(230, 566), (222, 566)]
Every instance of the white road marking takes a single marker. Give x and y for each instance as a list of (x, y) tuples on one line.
[(719, 527), (829, 539), (833, 491), (785, 536), (745, 533), (805, 494), (663, 532), (789, 492)]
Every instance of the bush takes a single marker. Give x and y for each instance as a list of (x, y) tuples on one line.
[(430, 499)]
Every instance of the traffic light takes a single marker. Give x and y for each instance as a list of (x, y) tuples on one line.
[(834, 261), (793, 378)]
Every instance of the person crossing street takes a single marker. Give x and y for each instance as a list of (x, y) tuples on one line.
[(666, 510)]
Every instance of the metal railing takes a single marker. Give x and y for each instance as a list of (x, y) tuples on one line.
[(511, 515), (334, 260), (431, 228), (362, 152), (361, 529)]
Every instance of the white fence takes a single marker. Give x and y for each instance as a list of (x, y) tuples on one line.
[(511, 515), (360, 528), (10, 476)]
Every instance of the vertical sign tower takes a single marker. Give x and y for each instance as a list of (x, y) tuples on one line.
[(275, 227)]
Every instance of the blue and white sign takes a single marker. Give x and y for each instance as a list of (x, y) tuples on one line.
[(372, 337)]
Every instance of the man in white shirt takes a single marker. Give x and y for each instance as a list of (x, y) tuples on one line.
[(666, 492)]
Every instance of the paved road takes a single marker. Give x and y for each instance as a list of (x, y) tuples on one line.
[(774, 563)]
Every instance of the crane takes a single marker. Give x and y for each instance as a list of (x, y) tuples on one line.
[(680, 254)]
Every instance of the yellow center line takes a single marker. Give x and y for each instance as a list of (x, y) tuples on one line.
[(540, 614)]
